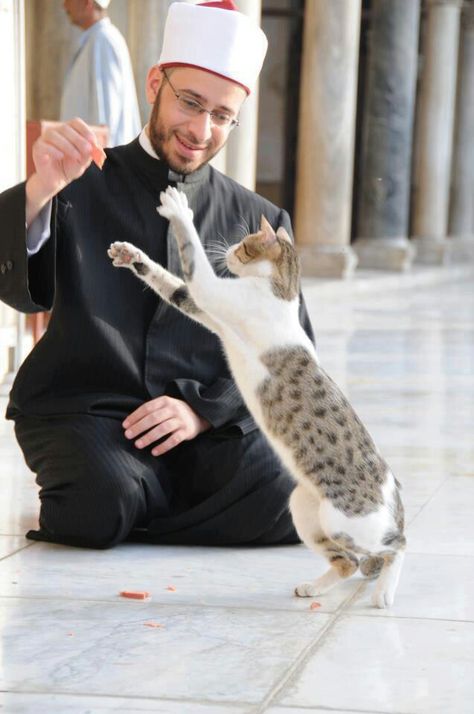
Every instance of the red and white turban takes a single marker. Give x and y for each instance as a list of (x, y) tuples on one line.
[(216, 37)]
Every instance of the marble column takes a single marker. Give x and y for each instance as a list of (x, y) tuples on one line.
[(13, 161), (49, 36), (241, 157), (146, 23), (461, 213), (384, 196), (326, 137), (434, 136)]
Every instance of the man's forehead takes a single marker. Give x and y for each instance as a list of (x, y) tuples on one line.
[(208, 87)]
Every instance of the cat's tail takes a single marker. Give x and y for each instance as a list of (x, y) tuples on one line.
[(371, 565)]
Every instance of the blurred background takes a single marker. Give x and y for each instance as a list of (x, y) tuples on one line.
[(362, 126)]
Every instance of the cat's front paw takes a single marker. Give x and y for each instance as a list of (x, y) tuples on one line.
[(174, 204), (306, 590), (124, 254)]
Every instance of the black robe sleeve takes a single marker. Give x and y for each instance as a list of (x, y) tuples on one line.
[(26, 284), (219, 403)]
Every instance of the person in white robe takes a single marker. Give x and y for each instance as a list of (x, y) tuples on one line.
[(99, 86)]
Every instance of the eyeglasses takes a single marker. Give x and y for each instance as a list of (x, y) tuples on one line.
[(193, 108)]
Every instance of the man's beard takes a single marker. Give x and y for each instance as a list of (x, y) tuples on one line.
[(159, 135)]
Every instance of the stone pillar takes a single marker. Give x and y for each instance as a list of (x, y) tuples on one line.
[(326, 137), (384, 198), (13, 161), (241, 157), (146, 23), (461, 214), (435, 130), (12, 91), (49, 36)]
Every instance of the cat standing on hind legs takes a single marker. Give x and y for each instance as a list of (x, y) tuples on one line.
[(346, 504)]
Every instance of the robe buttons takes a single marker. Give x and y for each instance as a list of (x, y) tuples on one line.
[(4, 267)]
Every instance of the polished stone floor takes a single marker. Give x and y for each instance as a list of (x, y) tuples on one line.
[(229, 636)]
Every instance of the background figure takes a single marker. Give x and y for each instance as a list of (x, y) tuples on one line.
[(99, 86)]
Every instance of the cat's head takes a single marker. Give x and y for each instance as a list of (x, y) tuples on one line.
[(270, 255)]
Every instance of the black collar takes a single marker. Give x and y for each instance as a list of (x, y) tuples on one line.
[(159, 170)]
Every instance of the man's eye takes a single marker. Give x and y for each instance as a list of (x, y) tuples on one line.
[(221, 118), (190, 104)]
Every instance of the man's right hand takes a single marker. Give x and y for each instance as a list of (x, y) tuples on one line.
[(61, 154)]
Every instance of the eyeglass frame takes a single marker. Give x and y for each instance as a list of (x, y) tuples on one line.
[(231, 124)]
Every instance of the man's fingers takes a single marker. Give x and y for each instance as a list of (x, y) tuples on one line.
[(65, 138), (50, 153), (58, 141), (145, 410), (166, 427), (146, 422), (82, 128), (78, 140), (176, 438)]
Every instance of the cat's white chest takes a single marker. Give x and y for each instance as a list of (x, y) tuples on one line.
[(248, 370)]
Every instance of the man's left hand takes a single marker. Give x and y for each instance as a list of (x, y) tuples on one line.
[(160, 417)]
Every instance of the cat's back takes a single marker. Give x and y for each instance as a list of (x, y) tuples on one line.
[(306, 412)]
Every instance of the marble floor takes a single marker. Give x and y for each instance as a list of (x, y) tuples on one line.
[(228, 636)]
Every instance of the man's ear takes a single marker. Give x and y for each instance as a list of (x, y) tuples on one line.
[(281, 233), (153, 83)]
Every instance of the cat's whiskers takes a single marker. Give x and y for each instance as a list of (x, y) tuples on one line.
[(241, 232), (216, 249), (224, 240), (247, 227), (220, 266), (219, 261)]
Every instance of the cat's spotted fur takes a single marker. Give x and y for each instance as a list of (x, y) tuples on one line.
[(347, 503)]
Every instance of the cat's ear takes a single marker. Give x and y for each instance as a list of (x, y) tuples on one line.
[(268, 234), (281, 233)]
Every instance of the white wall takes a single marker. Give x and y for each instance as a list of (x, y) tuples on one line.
[(12, 132), (12, 92)]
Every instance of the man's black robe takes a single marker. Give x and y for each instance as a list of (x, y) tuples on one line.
[(113, 344)]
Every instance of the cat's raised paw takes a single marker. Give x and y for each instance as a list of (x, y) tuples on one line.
[(124, 254), (174, 204)]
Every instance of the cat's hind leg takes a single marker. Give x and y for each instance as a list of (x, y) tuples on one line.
[(371, 566), (304, 507), (387, 581)]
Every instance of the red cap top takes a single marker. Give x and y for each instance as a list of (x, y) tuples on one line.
[(223, 5)]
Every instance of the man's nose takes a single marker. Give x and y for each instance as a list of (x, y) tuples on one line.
[(201, 127)]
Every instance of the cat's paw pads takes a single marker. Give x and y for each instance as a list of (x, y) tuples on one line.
[(124, 254), (174, 204), (306, 590), (382, 598)]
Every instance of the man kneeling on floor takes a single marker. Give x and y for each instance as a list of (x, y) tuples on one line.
[(126, 410)]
